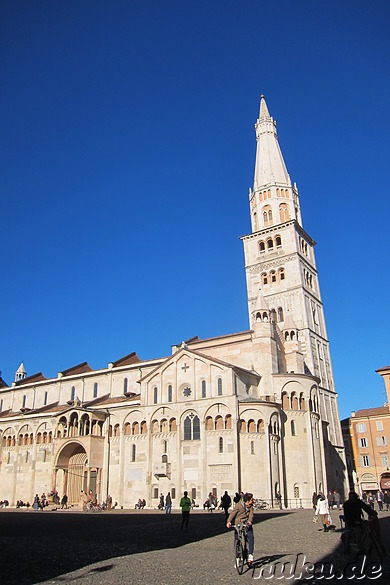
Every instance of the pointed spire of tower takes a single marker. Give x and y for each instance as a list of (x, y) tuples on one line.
[(264, 113), (20, 373), (270, 168), (260, 312)]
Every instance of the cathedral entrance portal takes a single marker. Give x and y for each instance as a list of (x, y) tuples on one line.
[(73, 474)]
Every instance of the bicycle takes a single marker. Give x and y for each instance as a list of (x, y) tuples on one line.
[(365, 537), (240, 547), (260, 504)]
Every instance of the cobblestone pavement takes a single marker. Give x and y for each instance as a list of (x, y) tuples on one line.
[(148, 547)]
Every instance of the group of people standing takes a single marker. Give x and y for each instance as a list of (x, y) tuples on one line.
[(381, 498)]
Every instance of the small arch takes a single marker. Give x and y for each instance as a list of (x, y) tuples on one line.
[(135, 429), (228, 421), (218, 423), (260, 426), (209, 423), (144, 427), (127, 428), (251, 426), (117, 430), (270, 244), (172, 425), (242, 425), (164, 425), (154, 426)]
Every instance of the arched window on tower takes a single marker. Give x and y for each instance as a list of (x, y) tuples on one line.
[(270, 244), (281, 274), (95, 390), (283, 210), (273, 276), (125, 386), (267, 216), (255, 221), (219, 384), (155, 395), (264, 278), (280, 314), (261, 247), (278, 241), (169, 393)]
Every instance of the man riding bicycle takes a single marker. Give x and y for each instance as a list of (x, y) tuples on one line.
[(353, 516), (242, 513)]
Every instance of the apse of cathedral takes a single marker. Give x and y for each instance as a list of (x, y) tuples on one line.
[(253, 411)]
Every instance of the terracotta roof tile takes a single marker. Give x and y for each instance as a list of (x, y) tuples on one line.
[(31, 379), (79, 369), (372, 411), (127, 360)]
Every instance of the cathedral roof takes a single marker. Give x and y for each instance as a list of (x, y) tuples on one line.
[(185, 349), (127, 360), (31, 379), (79, 369)]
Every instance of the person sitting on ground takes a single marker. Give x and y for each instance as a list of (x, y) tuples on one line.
[(243, 513)]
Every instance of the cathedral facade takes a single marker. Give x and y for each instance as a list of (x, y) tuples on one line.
[(254, 411)]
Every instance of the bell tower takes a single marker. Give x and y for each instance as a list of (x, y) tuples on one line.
[(280, 266)]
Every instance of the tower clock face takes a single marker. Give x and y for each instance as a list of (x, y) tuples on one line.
[(187, 391)]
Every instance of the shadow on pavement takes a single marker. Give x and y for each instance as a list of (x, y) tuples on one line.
[(38, 546)]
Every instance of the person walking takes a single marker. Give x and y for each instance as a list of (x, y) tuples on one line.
[(314, 500), (386, 500), (322, 510), (279, 499), (379, 499), (185, 505), (168, 503), (225, 503), (336, 499), (64, 502)]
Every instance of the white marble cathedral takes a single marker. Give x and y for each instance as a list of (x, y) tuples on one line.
[(255, 410)]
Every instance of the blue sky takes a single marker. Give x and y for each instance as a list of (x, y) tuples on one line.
[(128, 150)]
